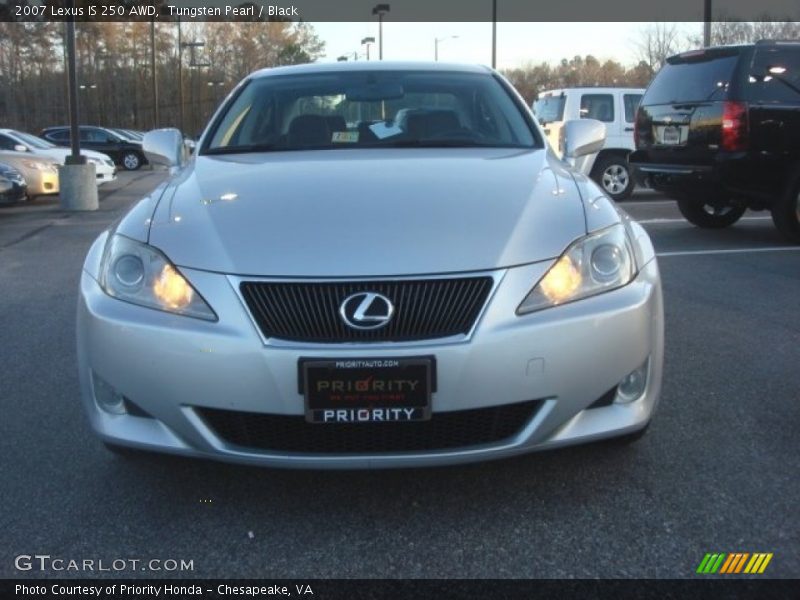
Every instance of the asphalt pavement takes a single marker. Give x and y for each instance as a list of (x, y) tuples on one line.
[(718, 470)]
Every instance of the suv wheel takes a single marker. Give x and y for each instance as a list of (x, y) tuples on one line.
[(613, 174), (131, 161), (710, 215), (786, 213)]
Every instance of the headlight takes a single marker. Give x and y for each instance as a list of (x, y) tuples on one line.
[(139, 273), (597, 263), (39, 166)]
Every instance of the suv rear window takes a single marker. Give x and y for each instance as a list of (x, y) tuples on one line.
[(775, 75), (549, 109), (692, 78)]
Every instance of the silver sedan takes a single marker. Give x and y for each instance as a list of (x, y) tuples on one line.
[(370, 265)]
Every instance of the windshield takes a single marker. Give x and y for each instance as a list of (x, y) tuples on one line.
[(34, 141), (374, 109), (549, 109)]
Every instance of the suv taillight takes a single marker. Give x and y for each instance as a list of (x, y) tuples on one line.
[(734, 126)]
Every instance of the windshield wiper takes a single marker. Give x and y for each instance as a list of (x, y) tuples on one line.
[(246, 148), (444, 144)]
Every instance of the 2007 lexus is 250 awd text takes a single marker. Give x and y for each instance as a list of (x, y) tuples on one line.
[(370, 265)]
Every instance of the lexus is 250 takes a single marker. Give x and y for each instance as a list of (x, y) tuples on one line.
[(370, 265)]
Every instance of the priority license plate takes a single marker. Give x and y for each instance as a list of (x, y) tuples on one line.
[(367, 390)]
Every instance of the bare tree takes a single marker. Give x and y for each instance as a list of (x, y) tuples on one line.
[(656, 43)]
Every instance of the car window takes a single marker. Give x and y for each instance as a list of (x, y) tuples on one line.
[(6, 143), (549, 109), (371, 109), (61, 135), (775, 75), (695, 77), (631, 102), (597, 106), (94, 135)]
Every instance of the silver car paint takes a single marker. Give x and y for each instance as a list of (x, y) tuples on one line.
[(568, 355), (360, 207)]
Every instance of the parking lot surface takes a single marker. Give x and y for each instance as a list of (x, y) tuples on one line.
[(716, 472)]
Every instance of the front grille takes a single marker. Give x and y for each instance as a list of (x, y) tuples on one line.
[(309, 312), (448, 430)]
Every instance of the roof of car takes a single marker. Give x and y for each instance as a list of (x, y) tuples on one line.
[(589, 88), (370, 66)]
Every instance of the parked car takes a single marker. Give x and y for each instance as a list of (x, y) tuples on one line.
[(128, 134), (440, 293), (124, 152), (19, 141), (40, 172), (616, 108), (718, 130), (12, 185)]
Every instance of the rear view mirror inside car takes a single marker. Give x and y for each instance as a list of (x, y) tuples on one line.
[(374, 92)]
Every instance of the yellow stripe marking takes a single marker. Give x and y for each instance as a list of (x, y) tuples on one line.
[(761, 557), (751, 564), (765, 563)]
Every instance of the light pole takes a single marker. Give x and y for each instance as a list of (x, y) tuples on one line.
[(494, 34), (436, 42), (380, 10), (706, 23), (153, 71), (366, 42)]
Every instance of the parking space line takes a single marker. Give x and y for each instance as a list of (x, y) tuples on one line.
[(729, 251), (665, 220)]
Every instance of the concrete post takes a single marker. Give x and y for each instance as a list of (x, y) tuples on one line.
[(78, 187)]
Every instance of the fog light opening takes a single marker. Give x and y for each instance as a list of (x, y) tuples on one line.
[(106, 397), (632, 386)]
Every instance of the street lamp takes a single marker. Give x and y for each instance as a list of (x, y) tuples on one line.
[(436, 44), (366, 42), (380, 10)]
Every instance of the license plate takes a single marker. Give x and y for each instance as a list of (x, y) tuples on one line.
[(367, 390), (671, 135)]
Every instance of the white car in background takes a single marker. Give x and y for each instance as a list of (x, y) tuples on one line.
[(616, 108), (18, 141)]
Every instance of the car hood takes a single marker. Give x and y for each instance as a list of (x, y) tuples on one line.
[(60, 154), (347, 213)]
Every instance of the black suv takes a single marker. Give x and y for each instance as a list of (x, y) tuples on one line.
[(123, 152), (719, 131)]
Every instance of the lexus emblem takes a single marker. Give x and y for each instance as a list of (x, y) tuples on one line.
[(366, 310)]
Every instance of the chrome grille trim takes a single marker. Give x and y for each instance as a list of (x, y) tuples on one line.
[(412, 296)]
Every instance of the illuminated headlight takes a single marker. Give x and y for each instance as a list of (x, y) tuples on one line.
[(140, 274), (600, 262)]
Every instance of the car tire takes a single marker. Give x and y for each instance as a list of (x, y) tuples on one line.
[(710, 216), (613, 173), (786, 213), (132, 161)]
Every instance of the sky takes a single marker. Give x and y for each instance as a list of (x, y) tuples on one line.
[(517, 43)]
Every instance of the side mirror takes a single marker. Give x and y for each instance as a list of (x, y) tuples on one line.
[(582, 137), (163, 147), (20, 148)]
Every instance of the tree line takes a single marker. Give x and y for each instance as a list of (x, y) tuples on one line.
[(652, 46), (114, 69), (114, 66)]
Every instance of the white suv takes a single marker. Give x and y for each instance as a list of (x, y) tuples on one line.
[(616, 107)]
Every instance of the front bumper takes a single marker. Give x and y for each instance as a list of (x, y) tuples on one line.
[(105, 173), (42, 183), (174, 367)]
